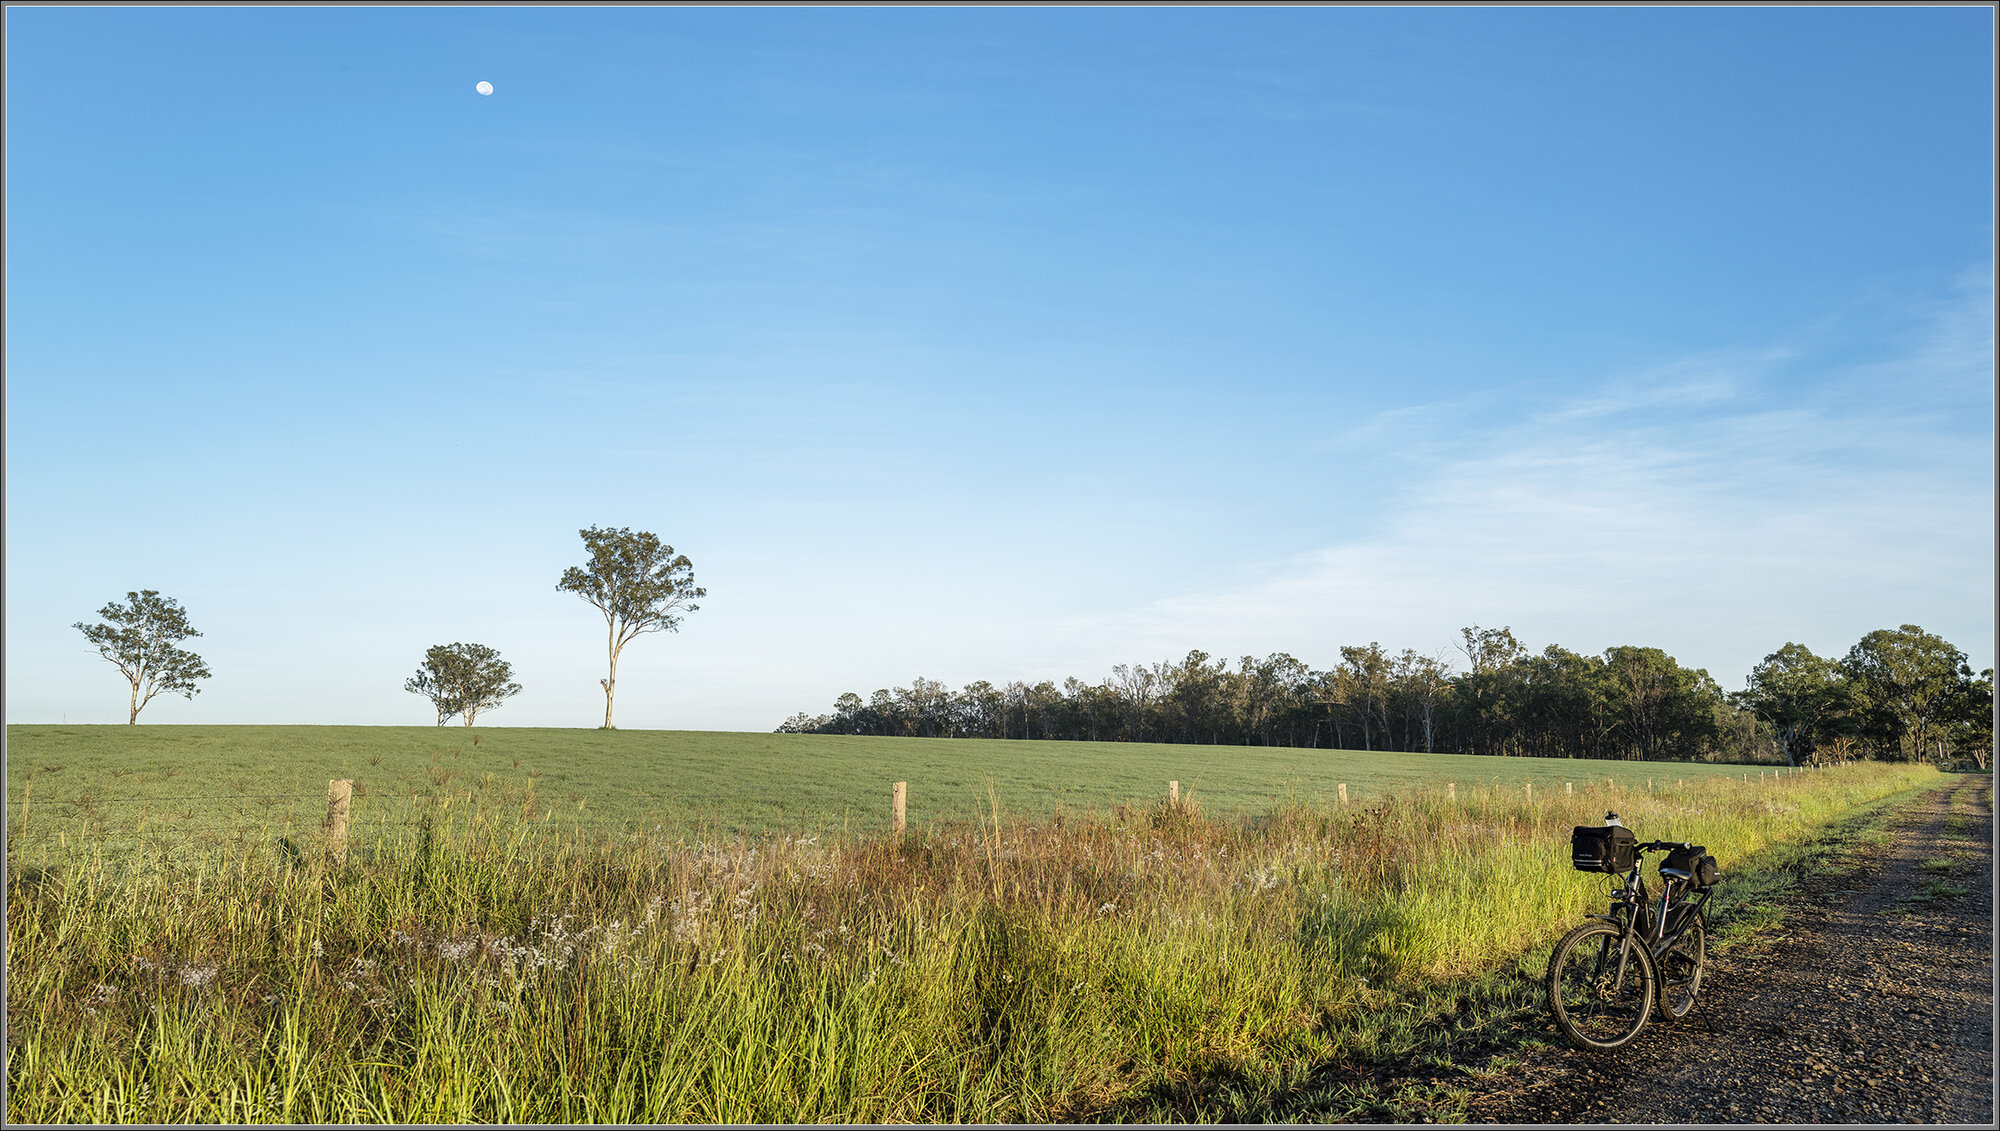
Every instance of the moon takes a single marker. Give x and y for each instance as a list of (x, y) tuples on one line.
[(484, 87)]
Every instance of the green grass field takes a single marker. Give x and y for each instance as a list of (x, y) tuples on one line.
[(475, 961), (109, 784)]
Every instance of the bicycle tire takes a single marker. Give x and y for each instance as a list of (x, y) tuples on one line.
[(1680, 969), (1596, 1009)]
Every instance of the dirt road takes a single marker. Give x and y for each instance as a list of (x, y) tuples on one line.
[(1873, 1004)]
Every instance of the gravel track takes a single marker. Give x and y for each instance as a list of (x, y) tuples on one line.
[(1873, 1003)]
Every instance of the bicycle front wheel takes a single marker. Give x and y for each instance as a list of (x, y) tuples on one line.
[(1600, 1002), (1680, 970)]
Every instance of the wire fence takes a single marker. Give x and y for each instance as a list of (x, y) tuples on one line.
[(181, 826)]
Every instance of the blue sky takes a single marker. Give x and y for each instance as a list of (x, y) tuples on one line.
[(986, 344)]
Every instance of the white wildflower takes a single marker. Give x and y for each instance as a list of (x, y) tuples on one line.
[(197, 975)]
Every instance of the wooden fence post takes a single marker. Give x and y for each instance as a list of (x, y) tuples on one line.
[(1343, 793), (1451, 791), (339, 795), (1173, 793), (1569, 789), (899, 793)]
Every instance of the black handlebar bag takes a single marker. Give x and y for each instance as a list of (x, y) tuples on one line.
[(1611, 848)]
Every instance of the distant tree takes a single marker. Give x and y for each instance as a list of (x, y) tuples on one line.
[(1665, 710), (1908, 682), (847, 713), (928, 703), (1136, 686), (803, 723), (140, 638), (640, 585), (1265, 693), (1970, 723), (1364, 683), (1482, 692), (1013, 695), (434, 685), (1559, 696), (1193, 695), (1799, 695), (985, 709), (463, 679), (1489, 649)]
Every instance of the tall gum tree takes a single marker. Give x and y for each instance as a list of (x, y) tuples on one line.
[(640, 585), (1906, 680), (1800, 695), (140, 638)]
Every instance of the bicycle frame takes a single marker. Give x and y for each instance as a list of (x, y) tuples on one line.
[(1630, 912)]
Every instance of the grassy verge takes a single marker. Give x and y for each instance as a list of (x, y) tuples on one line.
[(1159, 965), (1416, 1074)]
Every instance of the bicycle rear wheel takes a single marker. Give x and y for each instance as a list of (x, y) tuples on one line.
[(1599, 1003), (1680, 970)]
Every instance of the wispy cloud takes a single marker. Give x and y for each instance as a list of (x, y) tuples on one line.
[(1717, 506)]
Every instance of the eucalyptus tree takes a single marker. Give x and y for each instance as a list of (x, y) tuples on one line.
[(1799, 695), (1559, 701), (141, 638), (1194, 694), (1268, 692), (1365, 687), (847, 711), (930, 705), (463, 679), (984, 708), (640, 585), (1427, 679), (1970, 725), (1137, 687), (1907, 682), (1481, 692), (1667, 711)]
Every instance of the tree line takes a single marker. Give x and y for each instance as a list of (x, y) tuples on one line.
[(1899, 694)]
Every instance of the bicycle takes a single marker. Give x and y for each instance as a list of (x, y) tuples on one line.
[(1602, 988)]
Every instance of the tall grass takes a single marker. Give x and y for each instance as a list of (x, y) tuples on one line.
[(479, 967)]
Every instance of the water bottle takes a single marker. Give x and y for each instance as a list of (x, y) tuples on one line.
[(1611, 821)]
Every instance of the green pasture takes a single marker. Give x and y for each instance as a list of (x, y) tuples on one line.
[(111, 786)]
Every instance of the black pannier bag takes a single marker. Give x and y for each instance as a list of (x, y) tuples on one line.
[(1611, 848), (1695, 861)]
